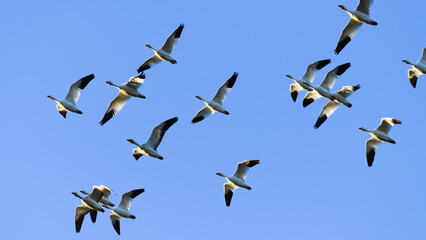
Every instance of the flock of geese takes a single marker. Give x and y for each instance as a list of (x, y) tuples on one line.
[(98, 198)]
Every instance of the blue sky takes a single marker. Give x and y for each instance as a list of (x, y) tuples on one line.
[(310, 184)]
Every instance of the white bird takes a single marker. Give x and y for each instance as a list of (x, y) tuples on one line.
[(341, 98), (379, 135), (122, 210), (68, 104), (237, 179), (324, 89), (163, 54), (150, 147), (127, 90), (215, 105), (90, 204), (358, 17), (418, 69), (309, 76)]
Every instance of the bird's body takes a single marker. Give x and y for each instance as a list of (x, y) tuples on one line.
[(150, 147), (164, 53), (126, 91), (215, 105), (122, 210), (68, 104), (418, 69), (324, 89), (359, 16), (237, 179), (309, 76), (378, 135)]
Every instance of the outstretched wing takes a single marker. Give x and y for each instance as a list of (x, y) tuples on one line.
[(75, 89), (310, 97), (80, 212), (243, 168), (115, 220), (326, 112), (149, 63), (228, 189), (364, 6), (224, 90), (330, 78), (203, 113), (136, 82), (126, 198), (159, 131), (371, 145), (172, 39), (312, 69), (348, 33), (115, 106)]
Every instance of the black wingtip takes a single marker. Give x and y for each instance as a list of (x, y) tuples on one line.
[(252, 163), (413, 81), (63, 113), (356, 87), (197, 119), (228, 198), (143, 68), (342, 68), (116, 226), (178, 30), (294, 95), (86, 80), (307, 101), (93, 215), (106, 117), (136, 192), (370, 157), (323, 63), (342, 44), (320, 121), (231, 80)]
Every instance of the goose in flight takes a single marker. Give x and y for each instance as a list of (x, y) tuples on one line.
[(341, 98), (237, 180), (163, 54), (378, 135), (90, 204), (215, 105), (150, 148), (127, 90), (68, 104), (358, 16), (122, 210), (309, 76), (418, 69), (323, 90)]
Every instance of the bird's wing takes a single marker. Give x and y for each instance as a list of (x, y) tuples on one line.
[(126, 198), (243, 167), (370, 148), (75, 89), (172, 39), (326, 112), (159, 131), (116, 105), (384, 126), (364, 6), (423, 58), (346, 91), (136, 82), (413, 75), (348, 33), (115, 220), (330, 78), (294, 90), (310, 97), (224, 90), (228, 189), (106, 191), (312, 69), (93, 215), (80, 212), (203, 113), (96, 194), (137, 153), (149, 63)]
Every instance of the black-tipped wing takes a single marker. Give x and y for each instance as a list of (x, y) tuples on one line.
[(80, 212), (228, 189), (75, 89), (371, 145), (326, 111), (202, 114), (385, 126), (172, 39), (294, 90), (313, 68), (224, 90), (330, 78), (116, 105), (348, 33), (243, 168), (364, 6), (136, 82), (310, 98), (413, 75), (115, 220), (93, 215), (96, 194), (137, 153), (159, 131), (126, 198), (149, 63)]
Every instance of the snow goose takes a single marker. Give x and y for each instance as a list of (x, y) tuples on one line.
[(237, 180), (418, 69), (341, 98), (150, 148), (163, 54), (215, 105), (323, 90), (122, 210), (309, 76), (127, 90), (358, 17), (378, 135), (68, 104), (90, 204)]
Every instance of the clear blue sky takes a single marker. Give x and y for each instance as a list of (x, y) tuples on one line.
[(311, 184)]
